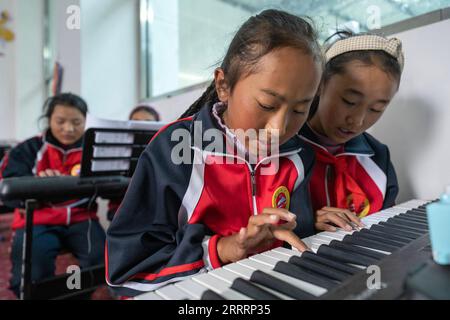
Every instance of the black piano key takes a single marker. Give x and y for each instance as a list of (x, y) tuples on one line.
[(416, 213), (331, 263), (380, 239), (395, 231), (413, 219), (345, 257), (360, 241), (211, 295), (352, 248), (384, 235), (398, 225), (408, 223), (299, 273), (321, 269), (281, 286), (411, 223), (251, 290)]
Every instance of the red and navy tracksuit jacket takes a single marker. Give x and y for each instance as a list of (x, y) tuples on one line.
[(38, 154), (360, 177), (172, 216)]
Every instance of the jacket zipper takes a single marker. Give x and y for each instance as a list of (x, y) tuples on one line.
[(253, 177), (327, 175), (252, 171)]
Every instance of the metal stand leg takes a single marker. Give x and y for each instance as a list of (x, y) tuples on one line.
[(25, 284)]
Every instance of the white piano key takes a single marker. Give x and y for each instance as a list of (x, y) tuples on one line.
[(330, 237), (271, 262), (287, 252), (171, 292), (219, 286), (211, 282), (229, 277), (240, 270), (277, 256), (191, 287), (149, 296), (225, 275), (305, 286)]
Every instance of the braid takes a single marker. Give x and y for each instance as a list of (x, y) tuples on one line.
[(210, 95)]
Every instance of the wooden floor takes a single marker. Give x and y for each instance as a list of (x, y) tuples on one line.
[(62, 262)]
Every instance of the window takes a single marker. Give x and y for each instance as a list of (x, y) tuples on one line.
[(182, 41)]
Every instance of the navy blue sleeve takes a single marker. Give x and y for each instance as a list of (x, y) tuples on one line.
[(21, 160), (147, 246), (301, 199)]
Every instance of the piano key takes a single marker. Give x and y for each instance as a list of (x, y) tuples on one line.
[(308, 285), (377, 249), (387, 235), (423, 219), (419, 226), (276, 256), (277, 285), (149, 296), (417, 213), (249, 289), (229, 277), (350, 269), (192, 288), (269, 258), (211, 295), (413, 219), (395, 231), (218, 286), (294, 271), (358, 240), (321, 269), (345, 257), (360, 250), (396, 225), (287, 251), (380, 239), (331, 263), (171, 292)]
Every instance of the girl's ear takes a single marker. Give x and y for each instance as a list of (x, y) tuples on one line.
[(222, 89)]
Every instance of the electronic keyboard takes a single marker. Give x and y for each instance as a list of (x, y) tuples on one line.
[(55, 188), (368, 263)]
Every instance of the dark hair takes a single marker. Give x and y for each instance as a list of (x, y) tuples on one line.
[(63, 99), (337, 65), (258, 36), (146, 108)]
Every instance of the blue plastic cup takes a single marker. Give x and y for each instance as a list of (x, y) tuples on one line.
[(439, 227)]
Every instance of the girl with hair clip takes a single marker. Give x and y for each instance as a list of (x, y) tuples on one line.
[(353, 176), (73, 225), (177, 220)]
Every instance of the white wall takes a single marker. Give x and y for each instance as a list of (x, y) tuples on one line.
[(7, 79), (22, 87), (109, 56), (416, 126)]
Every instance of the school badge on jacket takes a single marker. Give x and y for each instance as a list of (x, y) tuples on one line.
[(281, 198)]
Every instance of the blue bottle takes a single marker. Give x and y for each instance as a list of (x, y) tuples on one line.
[(439, 225)]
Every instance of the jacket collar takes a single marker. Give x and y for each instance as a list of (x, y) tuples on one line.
[(50, 139), (357, 146)]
